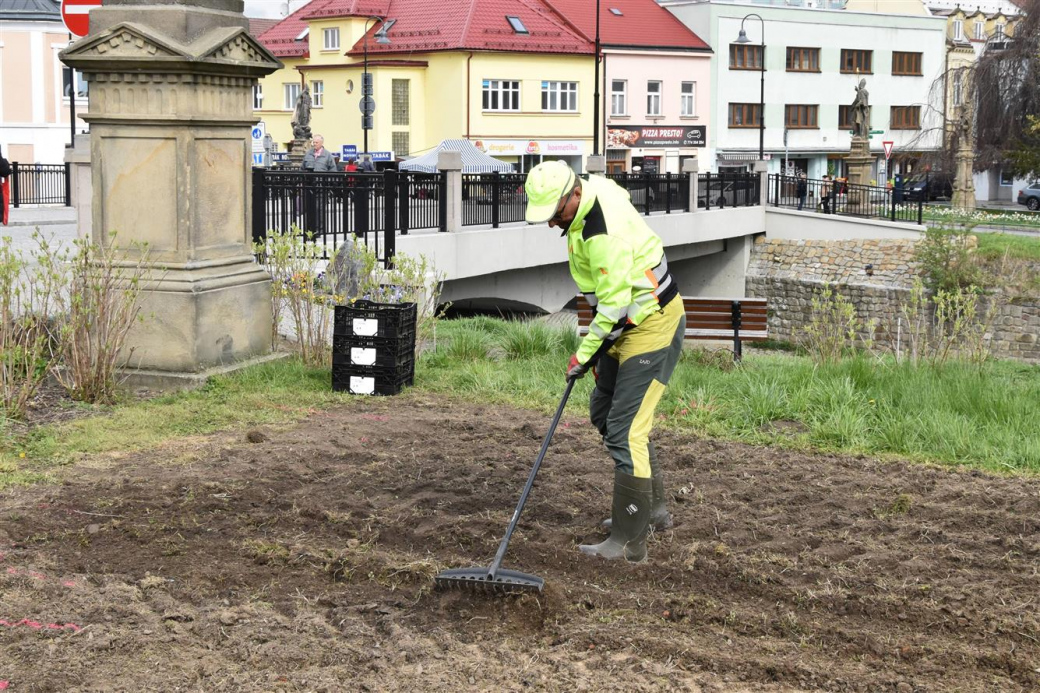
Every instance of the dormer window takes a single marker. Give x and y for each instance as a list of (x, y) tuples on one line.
[(518, 26), (303, 34), (616, 12)]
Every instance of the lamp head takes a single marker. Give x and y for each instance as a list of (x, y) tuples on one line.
[(381, 35), (742, 37)]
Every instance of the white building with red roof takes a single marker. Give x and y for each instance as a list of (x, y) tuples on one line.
[(516, 77)]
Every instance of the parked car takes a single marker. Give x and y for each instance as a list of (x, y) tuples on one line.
[(1030, 196), (939, 187)]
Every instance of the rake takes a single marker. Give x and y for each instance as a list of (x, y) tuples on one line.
[(493, 579)]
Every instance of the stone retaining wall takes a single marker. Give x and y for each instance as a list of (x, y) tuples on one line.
[(876, 275)]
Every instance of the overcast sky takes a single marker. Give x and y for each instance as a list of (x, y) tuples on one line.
[(272, 9)]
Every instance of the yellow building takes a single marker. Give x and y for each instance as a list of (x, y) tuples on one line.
[(515, 78)]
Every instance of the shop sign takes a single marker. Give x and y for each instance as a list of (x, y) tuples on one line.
[(628, 136), (534, 147)]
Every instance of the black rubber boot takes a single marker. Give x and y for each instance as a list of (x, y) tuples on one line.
[(660, 518), (631, 520)]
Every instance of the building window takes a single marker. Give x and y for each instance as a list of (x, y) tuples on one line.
[(501, 95), (399, 104), (618, 97), (745, 115), (653, 98), (803, 59), (258, 97), (845, 117), (980, 30), (958, 30), (317, 93), (688, 100), (906, 118), (560, 96), (998, 32), (66, 83), (745, 56), (958, 86), (801, 116), (518, 26), (331, 38), (857, 61), (292, 92), (399, 142), (906, 63)]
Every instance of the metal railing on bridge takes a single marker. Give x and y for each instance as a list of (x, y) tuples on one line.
[(493, 198), (331, 206), (735, 189), (839, 197), (656, 192), (40, 184)]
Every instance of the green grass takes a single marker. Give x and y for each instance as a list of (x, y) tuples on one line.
[(955, 414), (992, 246)]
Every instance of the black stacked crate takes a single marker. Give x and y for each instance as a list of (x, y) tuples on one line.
[(373, 348)]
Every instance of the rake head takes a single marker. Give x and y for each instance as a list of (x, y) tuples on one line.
[(482, 581)]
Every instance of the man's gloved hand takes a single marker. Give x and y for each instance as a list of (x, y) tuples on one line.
[(575, 369)]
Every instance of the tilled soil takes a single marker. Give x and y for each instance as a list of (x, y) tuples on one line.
[(303, 560)]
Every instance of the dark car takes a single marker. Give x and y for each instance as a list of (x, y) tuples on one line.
[(939, 187), (1030, 196)]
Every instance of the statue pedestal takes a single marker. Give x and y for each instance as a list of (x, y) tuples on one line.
[(297, 150), (964, 185), (170, 154), (860, 161)]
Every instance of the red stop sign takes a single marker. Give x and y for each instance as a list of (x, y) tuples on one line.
[(74, 14)]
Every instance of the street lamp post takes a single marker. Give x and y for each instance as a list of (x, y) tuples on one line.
[(742, 38), (367, 102), (595, 97)]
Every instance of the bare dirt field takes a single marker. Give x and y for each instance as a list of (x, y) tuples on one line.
[(302, 560)]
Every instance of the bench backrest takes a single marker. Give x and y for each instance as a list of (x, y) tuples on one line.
[(709, 318)]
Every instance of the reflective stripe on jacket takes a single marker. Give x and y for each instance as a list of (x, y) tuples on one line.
[(617, 261)]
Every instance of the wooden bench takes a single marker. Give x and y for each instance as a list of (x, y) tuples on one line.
[(739, 319)]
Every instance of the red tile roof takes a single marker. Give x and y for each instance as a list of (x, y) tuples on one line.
[(258, 26), (641, 23), (327, 9), (281, 38), (479, 25)]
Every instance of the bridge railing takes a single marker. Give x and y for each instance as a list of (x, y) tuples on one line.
[(40, 184), (839, 197)]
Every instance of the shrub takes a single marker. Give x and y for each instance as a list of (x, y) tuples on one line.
[(833, 326), (946, 260)]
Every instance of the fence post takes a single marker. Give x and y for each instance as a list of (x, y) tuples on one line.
[(735, 320), (762, 169), (259, 219), (16, 196), (404, 207), (920, 207), (68, 185), (389, 217), (707, 191), (891, 194), (689, 167), (646, 192), (668, 193), (442, 201), (362, 191), (450, 164), (496, 182)]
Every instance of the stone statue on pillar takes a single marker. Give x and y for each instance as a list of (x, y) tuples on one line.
[(301, 122), (859, 159), (170, 116)]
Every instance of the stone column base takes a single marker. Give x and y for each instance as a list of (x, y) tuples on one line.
[(136, 380)]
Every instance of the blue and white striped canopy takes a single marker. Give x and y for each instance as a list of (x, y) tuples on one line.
[(473, 160)]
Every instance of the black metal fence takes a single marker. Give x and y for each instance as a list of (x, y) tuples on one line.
[(656, 192), (331, 206), (839, 197), (40, 184), (493, 198), (721, 190)]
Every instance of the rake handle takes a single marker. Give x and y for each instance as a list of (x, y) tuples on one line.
[(497, 563)]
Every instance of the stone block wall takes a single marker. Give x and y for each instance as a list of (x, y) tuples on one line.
[(876, 276)]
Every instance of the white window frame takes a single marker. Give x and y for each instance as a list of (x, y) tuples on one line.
[(653, 98), (555, 94), (980, 31), (998, 32), (317, 93), (289, 103), (958, 30), (330, 38), (501, 89), (619, 98), (688, 100), (258, 96)]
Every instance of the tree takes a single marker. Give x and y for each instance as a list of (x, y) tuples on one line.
[(1026, 157)]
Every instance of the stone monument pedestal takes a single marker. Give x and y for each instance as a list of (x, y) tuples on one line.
[(298, 150), (964, 184), (170, 157), (859, 161)]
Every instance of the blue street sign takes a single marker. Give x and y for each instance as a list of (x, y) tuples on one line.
[(279, 156), (258, 159), (349, 151), (382, 156), (258, 134)]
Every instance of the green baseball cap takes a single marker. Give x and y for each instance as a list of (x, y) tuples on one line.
[(546, 185)]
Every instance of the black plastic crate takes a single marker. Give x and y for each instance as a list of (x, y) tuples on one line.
[(397, 346), (368, 380), (363, 357), (369, 319)]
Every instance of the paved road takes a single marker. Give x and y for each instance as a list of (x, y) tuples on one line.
[(56, 224)]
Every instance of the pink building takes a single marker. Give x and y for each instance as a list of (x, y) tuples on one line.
[(655, 83), (35, 87)]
